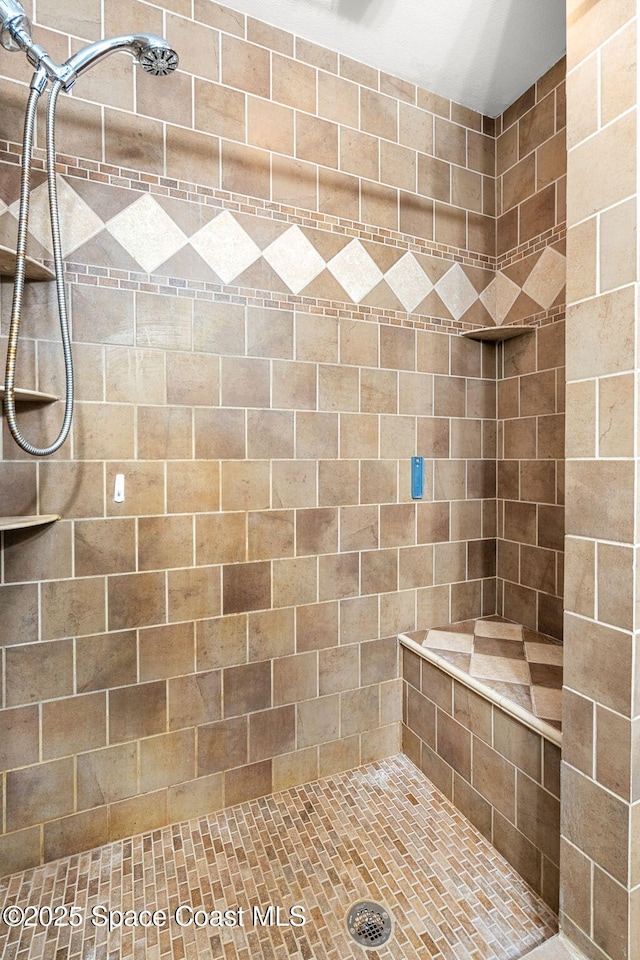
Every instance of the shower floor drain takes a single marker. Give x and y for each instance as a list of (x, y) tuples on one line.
[(369, 924)]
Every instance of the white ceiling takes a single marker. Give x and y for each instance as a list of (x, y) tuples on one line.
[(481, 53)]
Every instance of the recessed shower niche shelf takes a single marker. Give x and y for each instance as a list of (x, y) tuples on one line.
[(19, 523), (34, 270), (31, 396), (495, 334)]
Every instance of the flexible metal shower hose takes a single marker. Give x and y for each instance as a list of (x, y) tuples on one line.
[(18, 289)]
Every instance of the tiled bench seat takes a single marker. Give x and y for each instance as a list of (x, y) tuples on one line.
[(482, 718), (502, 660)]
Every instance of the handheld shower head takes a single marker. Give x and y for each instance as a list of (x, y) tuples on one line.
[(153, 53), (15, 26), (158, 59)]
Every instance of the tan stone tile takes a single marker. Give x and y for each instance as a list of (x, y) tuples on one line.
[(38, 672), (295, 678), (338, 576), (136, 599), (434, 178), (618, 245), (359, 153), (318, 721), (615, 585), (269, 126), (167, 759), (246, 586), (316, 140), (271, 732), (379, 205), (612, 152), (294, 484), (128, 817), (39, 793), (71, 835), (338, 99), (289, 768), (245, 485), (245, 170), (245, 65), (397, 165), (317, 626), (609, 521), (600, 327), (293, 83)]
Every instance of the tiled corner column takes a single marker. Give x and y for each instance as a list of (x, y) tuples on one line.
[(600, 862)]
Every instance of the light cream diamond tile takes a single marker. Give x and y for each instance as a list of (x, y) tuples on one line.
[(547, 278), (355, 271), (295, 259), (408, 281), (494, 628), (147, 233), (78, 222), (226, 247), (499, 668), (448, 640), (489, 299), (456, 291), (507, 292)]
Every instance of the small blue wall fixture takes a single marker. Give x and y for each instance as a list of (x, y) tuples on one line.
[(417, 477)]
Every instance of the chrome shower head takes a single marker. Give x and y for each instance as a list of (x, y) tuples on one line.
[(158, 60), (153, 53), (15, 26)]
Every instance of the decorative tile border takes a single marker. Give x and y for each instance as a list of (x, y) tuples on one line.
[(164, 237)]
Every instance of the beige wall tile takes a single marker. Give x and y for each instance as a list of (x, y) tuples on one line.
[(316, 140), (587, 485), (317, 626), (618, 246), (72, 607), (359, 153), (591, 184), (608, 846), (269, 126), (597, 663), (39, 793), (245, 65), (338, 99), (581, 260), (36, 672), (293, 83), (601, 327), (166, 651)]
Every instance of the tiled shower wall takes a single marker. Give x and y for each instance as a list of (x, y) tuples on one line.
[(531, 164), (266, 267), (600, 825)]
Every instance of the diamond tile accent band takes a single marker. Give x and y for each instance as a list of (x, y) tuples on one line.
[(147, 234)]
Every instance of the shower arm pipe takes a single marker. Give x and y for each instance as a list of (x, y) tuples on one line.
[(21, 248)]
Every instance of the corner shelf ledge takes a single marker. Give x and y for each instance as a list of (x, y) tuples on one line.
[(34, 270), (18, 523), (32, 396), (495, 334)]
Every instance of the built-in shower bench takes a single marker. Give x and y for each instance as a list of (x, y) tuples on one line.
[(482, 716)]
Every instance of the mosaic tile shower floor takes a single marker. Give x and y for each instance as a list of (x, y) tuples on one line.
[(379, 832)]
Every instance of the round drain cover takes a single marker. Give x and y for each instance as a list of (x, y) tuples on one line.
[(369, 924)]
